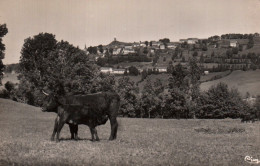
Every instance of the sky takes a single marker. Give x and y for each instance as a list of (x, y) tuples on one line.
[(94, 22)]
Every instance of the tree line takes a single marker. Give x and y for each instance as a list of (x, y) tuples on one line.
[(58, 67)]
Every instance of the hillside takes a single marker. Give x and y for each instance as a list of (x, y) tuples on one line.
[(248, 81), (116, 43), (25, 140)]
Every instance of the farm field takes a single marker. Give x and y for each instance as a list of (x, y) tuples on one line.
[(248, 81), (211, 75), (25, 140)]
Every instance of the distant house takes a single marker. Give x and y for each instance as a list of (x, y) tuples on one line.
[(192, 40), (224, 43), (212, 46), (161, 69), (136, 44), (106, 69), (242, 43), (250, 100), (206, 72), (171, 45), (111, 70), (162, 46), (156, 43), (118, 71), (128, 49), (142, 44), (183, 40), (233, 43), (117, 51)]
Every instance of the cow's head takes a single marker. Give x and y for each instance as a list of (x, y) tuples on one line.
[(53, 103)]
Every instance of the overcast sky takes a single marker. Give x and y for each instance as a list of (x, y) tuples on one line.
[(94, 22)]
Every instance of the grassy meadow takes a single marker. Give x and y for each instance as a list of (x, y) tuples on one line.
[(244, 81), (25, 140)]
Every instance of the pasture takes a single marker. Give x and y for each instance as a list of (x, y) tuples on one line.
[(244, 81), (25, 140)]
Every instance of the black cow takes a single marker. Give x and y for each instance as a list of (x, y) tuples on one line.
[(70, 114), (90, 109)]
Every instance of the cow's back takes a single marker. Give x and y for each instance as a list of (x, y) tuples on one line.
[(97, 102)]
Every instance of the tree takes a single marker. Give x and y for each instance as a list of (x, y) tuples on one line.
[(235, 50), (257, 107), (55, 66), (220, 102), (146, 43), (144, 74), (92, 50), (194, 76), (251, 42), (152, 103), (128, 91), (100, 48), (133, 71), (34, 54), (165, 41), (148, 101), (3, 32), (178, 90), (195, 54)]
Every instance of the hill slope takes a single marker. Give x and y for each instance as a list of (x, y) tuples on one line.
[(25, 133), (248, 81)]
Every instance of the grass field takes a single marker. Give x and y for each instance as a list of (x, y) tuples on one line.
[(25, 140), (248, 81)]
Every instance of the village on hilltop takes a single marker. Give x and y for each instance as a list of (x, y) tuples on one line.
[(230, 50)]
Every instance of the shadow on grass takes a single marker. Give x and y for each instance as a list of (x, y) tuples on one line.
[(81, 139)]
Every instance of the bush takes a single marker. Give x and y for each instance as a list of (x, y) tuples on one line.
[(133, 71), (4, 94), (220, 102), (9, 86)]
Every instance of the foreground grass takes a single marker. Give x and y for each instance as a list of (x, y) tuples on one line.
[(25, 140)]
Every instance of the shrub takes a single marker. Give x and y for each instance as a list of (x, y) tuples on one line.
[(220, 102)]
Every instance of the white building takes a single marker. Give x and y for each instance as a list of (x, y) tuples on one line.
[(117, 51), (161, 69), (106, 69), (233, 43), (192, 40), (142, 44), (111, 70), (162, 46), (128, 49), (118, 71), (171, 45)]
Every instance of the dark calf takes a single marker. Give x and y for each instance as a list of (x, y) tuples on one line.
[(74, 115)]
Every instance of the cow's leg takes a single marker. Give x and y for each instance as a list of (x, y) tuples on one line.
[(76, 132), (92, 134), (95, 133), (72, 130), (112, 114), (114, 126), (55, 128), (60, 125), (61, 122)]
